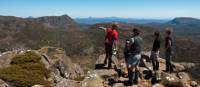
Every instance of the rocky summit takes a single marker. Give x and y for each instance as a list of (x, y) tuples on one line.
[(49, 66)]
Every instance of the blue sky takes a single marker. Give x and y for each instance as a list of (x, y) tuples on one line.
[(102, 8)]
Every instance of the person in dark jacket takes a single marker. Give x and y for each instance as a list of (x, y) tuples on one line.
[(155, 55), (168, 50), (155, 51)]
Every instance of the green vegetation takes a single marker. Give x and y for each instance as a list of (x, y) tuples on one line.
[(28, 57), (52, 52), (25, 70)]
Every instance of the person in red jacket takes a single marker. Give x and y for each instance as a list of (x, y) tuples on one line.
[(110, 43)]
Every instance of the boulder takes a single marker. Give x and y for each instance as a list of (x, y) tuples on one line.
[(57, 62), (193, 83), (194, 71), (158, 85), (6, 58), (67, 83), (188, 65), (179, 67), (38, 86), (92, 79), (118, 85), (170, 80), (3, 84), (183, 76), (101, 59)]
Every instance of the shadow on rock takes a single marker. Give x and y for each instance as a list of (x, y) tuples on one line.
[(100, 66)]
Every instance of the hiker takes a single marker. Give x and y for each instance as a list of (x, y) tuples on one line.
[(126, 56), (155, 51), (110, 43), (135, 56), (168, 50), (155, 54)]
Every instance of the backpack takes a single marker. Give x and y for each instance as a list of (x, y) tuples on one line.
[(136, 45)]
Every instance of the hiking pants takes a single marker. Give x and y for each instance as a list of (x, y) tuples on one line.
[(108, 49), (155, 62), (168, 57)]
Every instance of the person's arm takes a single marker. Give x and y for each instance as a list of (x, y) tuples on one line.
[(131, 41), (115, 37), (170, 43), (103, 28), (115, 45)]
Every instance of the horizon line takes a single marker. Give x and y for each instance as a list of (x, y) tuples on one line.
[(79, 17)]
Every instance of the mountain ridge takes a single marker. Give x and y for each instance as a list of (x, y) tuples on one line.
[(62, 21)]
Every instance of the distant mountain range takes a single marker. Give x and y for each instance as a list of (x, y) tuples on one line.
[(185, 23), (66, 22), (179, 24), (92, 20)]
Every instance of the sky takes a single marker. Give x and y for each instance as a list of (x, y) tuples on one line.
[(151, 9)]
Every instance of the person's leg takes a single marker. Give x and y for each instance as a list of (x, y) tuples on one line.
[(127, 65), (170, 65), (167, 65), (153, 61), (157, 65), (110, 61), (131, 74), (136, 74), (167, 58), (157, 68), (107, 54), (137, 57), (156, 60), (105, 60), (130, 70), (110, 57)]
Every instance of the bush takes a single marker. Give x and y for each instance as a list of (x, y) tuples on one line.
[(26, 70), (28, 57)]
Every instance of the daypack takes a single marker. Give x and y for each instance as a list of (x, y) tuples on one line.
[(136, 45)]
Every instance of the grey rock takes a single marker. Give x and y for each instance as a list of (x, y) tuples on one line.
[(193, 83), (67, 83), (183, 76), (3, 84), (6, 58), (38, 86)]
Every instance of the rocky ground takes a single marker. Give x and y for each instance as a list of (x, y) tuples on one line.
[(64, 73), (111, 78)]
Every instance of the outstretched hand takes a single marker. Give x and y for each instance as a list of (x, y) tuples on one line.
[(114, 51), (102, 28)]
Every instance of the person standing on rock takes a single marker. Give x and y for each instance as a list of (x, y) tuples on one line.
[(155, 54), (126, 56), (110, 43), (135, 56), (168, 50)]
